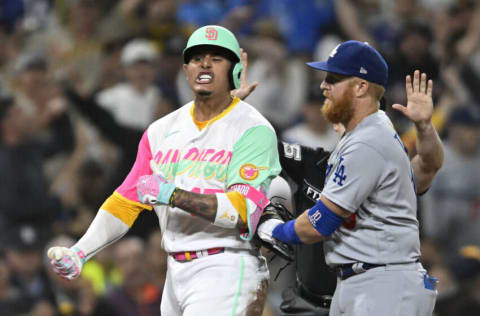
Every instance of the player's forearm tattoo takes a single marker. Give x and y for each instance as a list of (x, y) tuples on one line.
[(202, 205)]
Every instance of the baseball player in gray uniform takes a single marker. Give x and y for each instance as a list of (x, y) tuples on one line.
[(367, 212)]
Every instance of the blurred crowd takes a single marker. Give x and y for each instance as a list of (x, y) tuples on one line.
[(81, 80)]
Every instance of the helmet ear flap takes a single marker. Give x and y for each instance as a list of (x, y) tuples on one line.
[(236, 73)]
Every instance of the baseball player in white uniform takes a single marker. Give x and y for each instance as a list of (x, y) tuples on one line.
[(366, 213), (205, 170)]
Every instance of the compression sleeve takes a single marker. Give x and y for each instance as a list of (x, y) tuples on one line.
[(120, 210), (104, 230)]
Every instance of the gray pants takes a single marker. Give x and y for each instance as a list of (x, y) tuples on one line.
[(393, 290)]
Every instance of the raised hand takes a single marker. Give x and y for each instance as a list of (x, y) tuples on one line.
[(154, 189), (66, 262), (419, 107), (245, 89)]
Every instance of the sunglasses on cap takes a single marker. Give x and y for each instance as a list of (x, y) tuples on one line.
[(332, 78)]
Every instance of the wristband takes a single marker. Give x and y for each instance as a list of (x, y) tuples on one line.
[(286, 233), (227, 215), (324, 220), (80, 254), (172, 198)]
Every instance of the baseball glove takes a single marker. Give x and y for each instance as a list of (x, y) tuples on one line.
[(274, 214)]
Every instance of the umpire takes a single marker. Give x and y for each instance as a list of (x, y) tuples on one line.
[(315, 284)]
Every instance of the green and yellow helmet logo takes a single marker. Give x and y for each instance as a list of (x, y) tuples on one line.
[(216, 36)]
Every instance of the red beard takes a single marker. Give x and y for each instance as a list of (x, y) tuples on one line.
[(340, 111)]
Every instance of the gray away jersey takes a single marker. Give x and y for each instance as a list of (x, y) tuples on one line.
[(369, 174)]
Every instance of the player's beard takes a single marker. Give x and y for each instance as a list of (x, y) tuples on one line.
[(341, 110), (204, 93)]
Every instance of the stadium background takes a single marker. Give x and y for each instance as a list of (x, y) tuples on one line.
[(81, 79)]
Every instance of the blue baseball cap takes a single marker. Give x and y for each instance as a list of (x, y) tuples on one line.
[(358, 59)]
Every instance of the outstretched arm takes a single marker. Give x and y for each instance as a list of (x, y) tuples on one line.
[(312, 226), (309, 234), (113, 220), (429, 157), (103, 231)]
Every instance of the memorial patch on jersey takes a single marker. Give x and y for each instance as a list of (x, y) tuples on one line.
[(249, 171)]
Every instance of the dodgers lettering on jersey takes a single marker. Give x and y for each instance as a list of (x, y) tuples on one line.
[(369, 174), (237, 147)]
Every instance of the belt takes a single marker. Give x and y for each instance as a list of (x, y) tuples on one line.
[(315, 299), (184, 256), (347, 270)]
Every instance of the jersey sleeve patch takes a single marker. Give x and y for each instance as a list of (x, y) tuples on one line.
[(255, 158), (249, 171)]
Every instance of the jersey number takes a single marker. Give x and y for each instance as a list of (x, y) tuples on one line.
[(292, 151)]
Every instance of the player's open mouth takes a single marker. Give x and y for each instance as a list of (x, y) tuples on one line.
[(204, 78)]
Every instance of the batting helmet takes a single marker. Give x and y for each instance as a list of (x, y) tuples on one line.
[(215, 35)]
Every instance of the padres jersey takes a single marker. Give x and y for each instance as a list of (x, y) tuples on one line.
[(239, 146), (369, 174)]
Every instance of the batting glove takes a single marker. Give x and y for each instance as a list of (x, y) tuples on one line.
[(66, 262), (154, 189), (274, 215)]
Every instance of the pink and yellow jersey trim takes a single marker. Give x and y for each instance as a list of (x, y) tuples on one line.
[(124, 203), (202, 124), (238, 195), (141, 167), (122, 208), (248, 192)]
